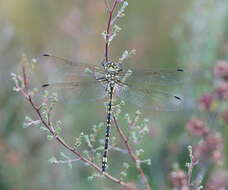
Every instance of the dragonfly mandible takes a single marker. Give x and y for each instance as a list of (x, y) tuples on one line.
[(145, 88)]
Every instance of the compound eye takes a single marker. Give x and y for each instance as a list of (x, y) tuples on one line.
[(105, 64)]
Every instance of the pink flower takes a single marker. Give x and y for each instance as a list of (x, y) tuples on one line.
[(217, 157), (179, 180), (222, 91), (221, 70), (218, 181), (206, 101), (197, 127), (214, 141), (210, 148)]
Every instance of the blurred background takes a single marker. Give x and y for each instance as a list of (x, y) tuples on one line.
[(192, 35)]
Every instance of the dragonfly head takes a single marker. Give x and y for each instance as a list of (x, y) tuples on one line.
[(112, 67)]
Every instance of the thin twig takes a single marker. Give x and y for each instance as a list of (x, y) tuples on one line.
[(130, 150), (111, 11), (124, 151), (65, 161), (190, 165), (25, 80)]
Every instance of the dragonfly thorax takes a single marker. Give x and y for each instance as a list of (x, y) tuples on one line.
[(111, 77), (112, 68)]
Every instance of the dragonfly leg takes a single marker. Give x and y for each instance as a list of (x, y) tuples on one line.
[(121, 83), (100, 79)]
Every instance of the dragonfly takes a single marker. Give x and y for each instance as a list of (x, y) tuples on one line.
[(111, 80)]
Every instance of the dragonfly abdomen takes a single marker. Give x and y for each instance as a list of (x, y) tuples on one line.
[(108, 129)]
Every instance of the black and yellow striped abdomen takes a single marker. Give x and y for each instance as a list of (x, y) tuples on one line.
[(108, 128)]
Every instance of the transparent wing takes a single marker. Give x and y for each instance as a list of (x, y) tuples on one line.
[(154, 100), (84, 91), (64, 61), (59, 65), (152, 90), (160, 77), (72, 79)]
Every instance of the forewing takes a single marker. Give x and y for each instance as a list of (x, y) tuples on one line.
[(63, 68), (61, 61), (71, 79)]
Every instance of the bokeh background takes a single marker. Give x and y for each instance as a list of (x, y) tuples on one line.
[(169, 34)]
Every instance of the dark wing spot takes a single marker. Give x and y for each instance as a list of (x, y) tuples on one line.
[(177, 97), (45, 85)]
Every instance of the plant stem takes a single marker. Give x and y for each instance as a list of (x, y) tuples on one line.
[(130, 150), (110, 11)]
